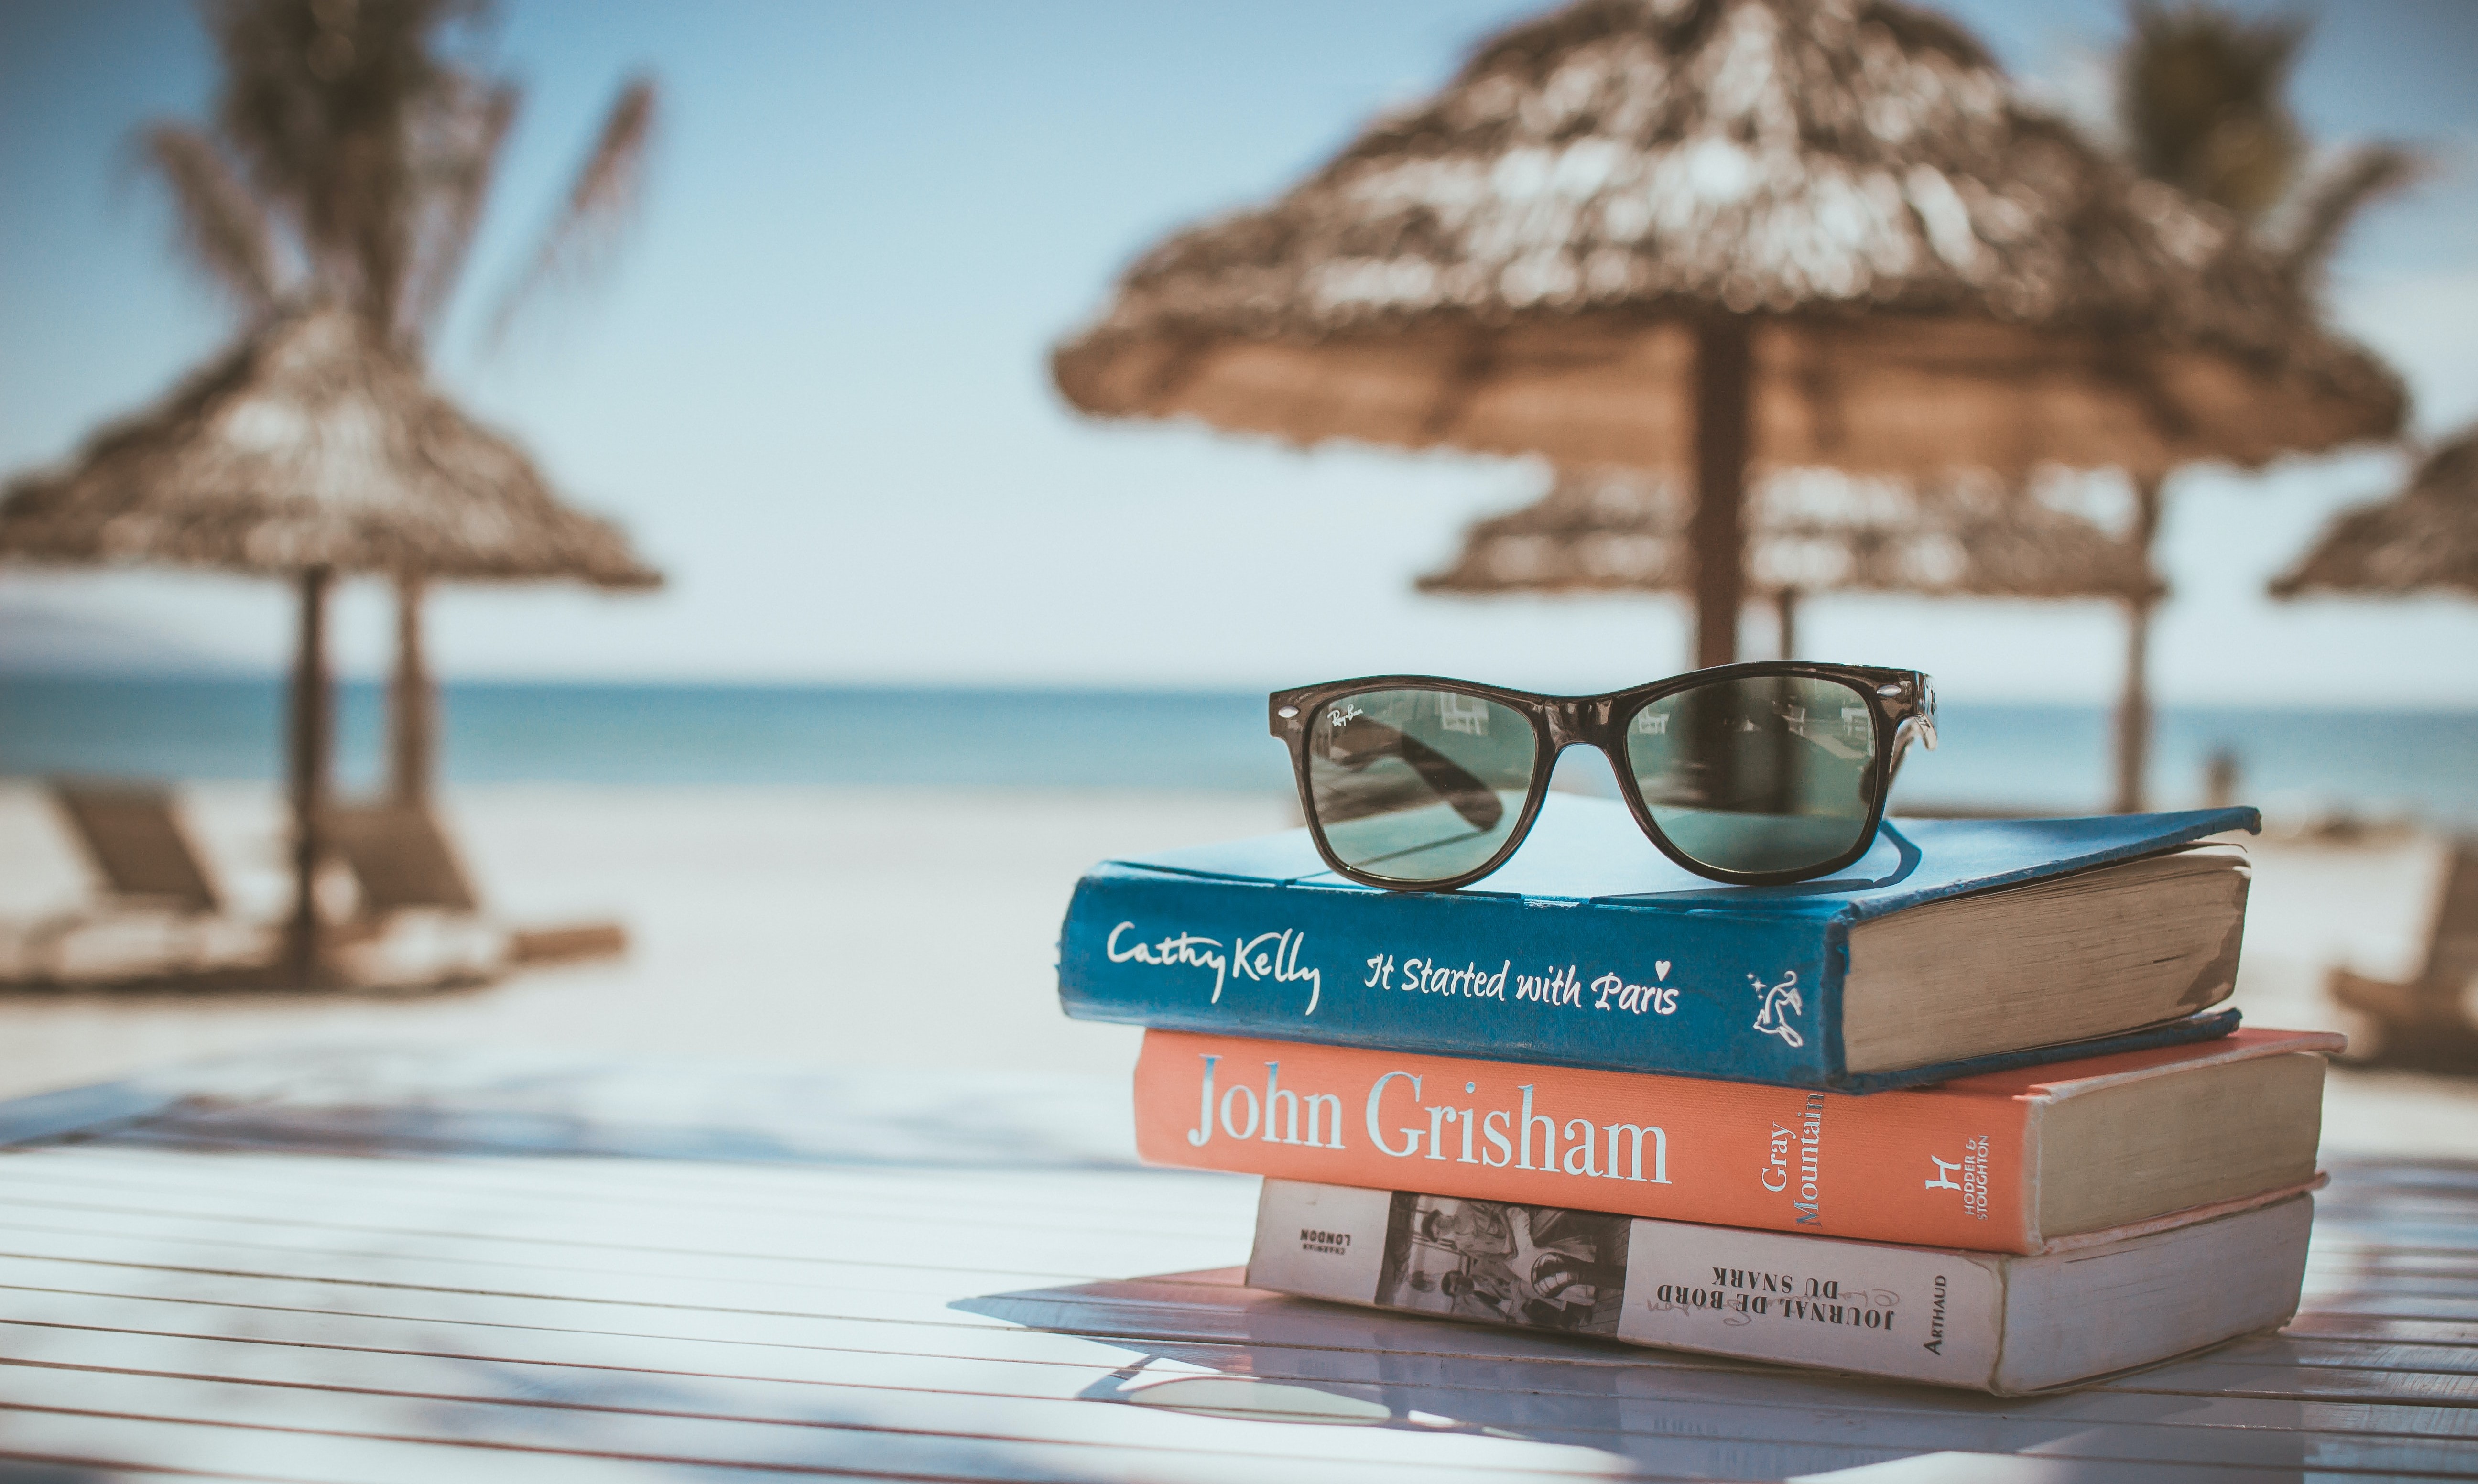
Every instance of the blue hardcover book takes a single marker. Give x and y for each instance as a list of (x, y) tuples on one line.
[(1953, 946)]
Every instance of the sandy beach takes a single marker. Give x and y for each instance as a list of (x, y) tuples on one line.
[(817, 927), (891, 928)]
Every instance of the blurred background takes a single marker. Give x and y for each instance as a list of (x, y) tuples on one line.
[(775, 290)]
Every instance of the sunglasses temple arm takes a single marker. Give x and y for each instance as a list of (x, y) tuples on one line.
[(1471, 798), (1912, 729), (1906, 852)]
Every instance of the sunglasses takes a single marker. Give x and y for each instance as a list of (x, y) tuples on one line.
[(1754, 774)]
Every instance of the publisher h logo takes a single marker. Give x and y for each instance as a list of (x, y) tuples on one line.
[(1972, 1168)]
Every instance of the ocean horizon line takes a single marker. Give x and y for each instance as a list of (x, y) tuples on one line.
[(2421, 763)]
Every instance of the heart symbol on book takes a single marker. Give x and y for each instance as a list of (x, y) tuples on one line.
[(1660, 969)]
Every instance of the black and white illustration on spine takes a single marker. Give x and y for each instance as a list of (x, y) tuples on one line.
[(1541, 1267)]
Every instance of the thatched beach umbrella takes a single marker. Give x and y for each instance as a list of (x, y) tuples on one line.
[(1700, 235), (311, 451), (2423, 540), (1812, 531)]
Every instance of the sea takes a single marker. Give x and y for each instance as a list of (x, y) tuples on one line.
[(2301, 764)]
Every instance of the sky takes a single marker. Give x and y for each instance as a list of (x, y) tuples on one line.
[(813, 385)]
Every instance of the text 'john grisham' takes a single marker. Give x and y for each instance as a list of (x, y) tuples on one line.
[(1273, 958), (1494, 1137)]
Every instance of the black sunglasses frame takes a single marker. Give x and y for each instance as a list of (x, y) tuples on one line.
[(1902, 702)]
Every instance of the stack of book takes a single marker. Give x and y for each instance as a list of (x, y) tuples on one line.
[(1962, 1114)]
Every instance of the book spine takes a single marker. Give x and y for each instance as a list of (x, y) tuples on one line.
[(1943, 1168), (1900, 1312), (1711, 994)]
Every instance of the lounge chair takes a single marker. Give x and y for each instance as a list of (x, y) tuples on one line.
[(149, 869), (2424, 1021), (407, 870)]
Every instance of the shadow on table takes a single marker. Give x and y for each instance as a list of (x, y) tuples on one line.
[(380, 1102), (1209, 1346)]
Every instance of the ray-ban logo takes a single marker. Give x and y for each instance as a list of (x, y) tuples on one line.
[(1344, 715)]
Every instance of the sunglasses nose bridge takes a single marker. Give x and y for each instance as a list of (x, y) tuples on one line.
[(1573, 724)]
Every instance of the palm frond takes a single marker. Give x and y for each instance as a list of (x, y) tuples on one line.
[(224, 231), (453, 182), (2328, 203), (600, 201), (317, 103), (2202, 101)]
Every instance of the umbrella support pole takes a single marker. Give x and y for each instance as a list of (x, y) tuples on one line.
[(2134, 704), (1786, 621), (2133, 710), (411, 704), (304, 965), (1723, 384)]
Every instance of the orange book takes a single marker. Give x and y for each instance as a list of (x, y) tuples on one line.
[(2019, 1161)]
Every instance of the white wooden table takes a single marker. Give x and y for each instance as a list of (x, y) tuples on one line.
[(381, 1268)]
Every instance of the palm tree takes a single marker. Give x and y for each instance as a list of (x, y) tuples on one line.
[(2202, 105), (348, 160)]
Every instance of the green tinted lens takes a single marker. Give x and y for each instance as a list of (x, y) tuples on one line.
[(1767, 774), (1418, 785)]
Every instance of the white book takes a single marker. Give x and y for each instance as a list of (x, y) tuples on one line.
[(1993, 1321)]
